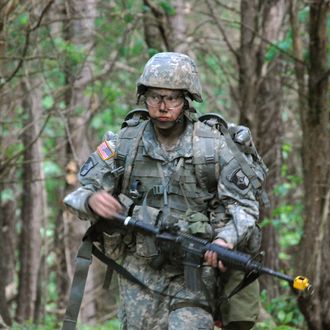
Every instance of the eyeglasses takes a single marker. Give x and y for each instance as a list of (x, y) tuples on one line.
[(171, 101)]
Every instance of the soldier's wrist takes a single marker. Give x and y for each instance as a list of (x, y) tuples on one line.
[(87, 206), (225, 240)]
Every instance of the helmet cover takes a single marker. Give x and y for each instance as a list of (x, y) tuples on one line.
[(172, 71)]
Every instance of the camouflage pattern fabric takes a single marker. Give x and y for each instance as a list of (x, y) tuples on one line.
[(174, 71), (170, 309), (140, 309)]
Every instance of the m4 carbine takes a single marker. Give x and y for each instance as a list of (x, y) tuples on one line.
[(193, 249)]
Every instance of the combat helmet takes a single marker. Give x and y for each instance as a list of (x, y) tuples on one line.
[(171, 70)]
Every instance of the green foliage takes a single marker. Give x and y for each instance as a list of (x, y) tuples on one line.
[(268, 325), (74, 54), (284, 310), (276, 48), (7, 194), (110, 325), (287, 217), (51, 324), (168, 8), (48, 102), (303, 15)]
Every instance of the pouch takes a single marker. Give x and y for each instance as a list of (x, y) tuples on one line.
[(145, 244), (198, 224), (114, 245)]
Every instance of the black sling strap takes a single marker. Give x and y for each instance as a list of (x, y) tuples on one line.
[(83, 261)]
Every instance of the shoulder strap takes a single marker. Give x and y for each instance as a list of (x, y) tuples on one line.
[(134, 117), (206, 156), (218, 122), (128, 141), (239, 156), (132, 139)]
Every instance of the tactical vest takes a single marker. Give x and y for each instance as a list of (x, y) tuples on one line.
[(143, 177), (194, 182)]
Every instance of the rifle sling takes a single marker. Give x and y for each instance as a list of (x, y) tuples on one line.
[(83, 261), (248, 279)]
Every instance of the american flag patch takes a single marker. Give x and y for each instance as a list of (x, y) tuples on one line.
[(105, 151)]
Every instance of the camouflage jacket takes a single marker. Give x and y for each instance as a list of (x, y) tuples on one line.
[(232, 211)]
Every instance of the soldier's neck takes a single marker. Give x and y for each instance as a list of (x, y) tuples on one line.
[(170, 137)]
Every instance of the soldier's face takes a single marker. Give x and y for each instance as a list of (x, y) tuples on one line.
[(164, 106)]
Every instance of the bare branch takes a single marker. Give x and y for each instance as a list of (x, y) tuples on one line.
[(27, 43), (222, 30)]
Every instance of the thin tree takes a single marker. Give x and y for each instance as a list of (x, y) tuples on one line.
[(33, 206), (315, 121), (260, 92), (78, 30), (8, 206)]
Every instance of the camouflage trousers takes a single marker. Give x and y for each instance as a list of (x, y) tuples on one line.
[(175, 307)]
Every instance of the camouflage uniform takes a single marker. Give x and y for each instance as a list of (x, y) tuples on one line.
[(187, 209)]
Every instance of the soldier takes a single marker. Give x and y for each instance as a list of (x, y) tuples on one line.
[(167, 157)]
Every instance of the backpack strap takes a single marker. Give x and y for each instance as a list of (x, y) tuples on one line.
[(128, 141), (134, 117), (239, 150), (206, 156), (239, 156)]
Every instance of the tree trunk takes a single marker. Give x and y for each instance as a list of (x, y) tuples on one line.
[(164, 31), (79, 33), (7, 204), (33, 207), (248, 74), (261, 101), (270, 131), (7, 266), (152, 27), (178, 35), (315, 245)]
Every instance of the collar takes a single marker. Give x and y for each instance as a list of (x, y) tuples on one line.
[(153, 148)]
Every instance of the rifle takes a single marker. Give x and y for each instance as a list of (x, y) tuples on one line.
[(193, 249)]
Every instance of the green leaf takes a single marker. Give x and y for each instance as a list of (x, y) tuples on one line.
[(96, 122), (7, 194), (128, 18), (168, 8), (24, 19), (51, 168), (48, 102)]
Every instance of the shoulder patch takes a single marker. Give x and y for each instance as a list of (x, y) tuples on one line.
[(240, 179), (104, 151), (89, 164)]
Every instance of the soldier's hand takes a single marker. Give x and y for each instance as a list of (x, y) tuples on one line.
[(212, 258), (104, 205)]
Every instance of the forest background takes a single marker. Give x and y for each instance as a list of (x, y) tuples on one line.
[(68, 70)]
